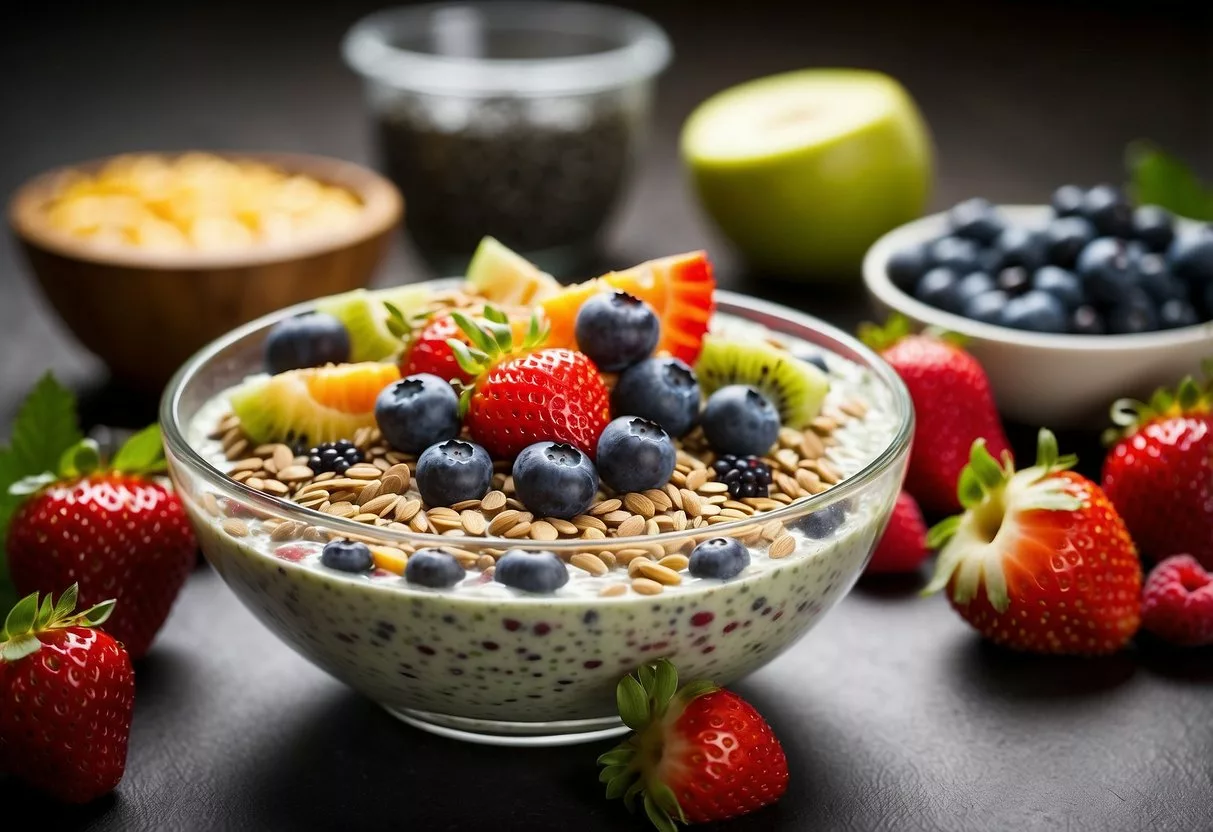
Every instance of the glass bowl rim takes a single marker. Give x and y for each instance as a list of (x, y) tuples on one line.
[(728, 302), (643, 53)]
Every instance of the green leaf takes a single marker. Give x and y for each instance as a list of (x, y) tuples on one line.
[(646, 674), (665, 685), (629, 797), (495, 315), (45, 427), (21, 617), (659, 818), (31, 484), (469, 360), (45, 611), (143, 453), (67, 601), (1158, 178), (502, 335), (479, 338), (80, 459), (618, 756), (968, 488), (988, 472), (19, 647), (1046, 449), (96, 616), (696, 689), (664, 797), (619, 786), (610, 773), (943, 531), (633, 703)]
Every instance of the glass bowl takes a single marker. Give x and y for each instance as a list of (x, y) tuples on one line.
[(519, 120), (514, 668)]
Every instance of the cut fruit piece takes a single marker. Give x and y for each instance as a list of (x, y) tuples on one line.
[(319, 404), (680, 289), (803, 171), (506, 278), (796, 388), (365, 316)]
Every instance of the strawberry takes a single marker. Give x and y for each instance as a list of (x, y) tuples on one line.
[(66, 695), (536, 395), (429, 352), (953, 407), (903, 546), (699, 754), (1159, 471), (118, 533), (1040, 561)]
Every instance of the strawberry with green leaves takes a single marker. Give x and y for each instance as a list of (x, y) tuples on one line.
[(1159, 471), (1040, 561), (522, 393), (700, 753), (115, 530), (66, 695), (953, 407)]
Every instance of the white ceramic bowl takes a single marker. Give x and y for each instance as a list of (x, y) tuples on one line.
[(1059, 381)]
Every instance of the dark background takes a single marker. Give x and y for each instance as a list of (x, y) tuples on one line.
[(894, 715)]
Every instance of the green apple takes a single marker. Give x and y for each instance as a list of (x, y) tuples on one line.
[(803, 171)]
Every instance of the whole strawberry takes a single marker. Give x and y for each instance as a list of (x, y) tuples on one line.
[(903, 546), (1159, 471), (66, 694), (525, 395), (1177, 602), (699, 754), (427, 351), (116, 531), (1040, 561), (953, 407)]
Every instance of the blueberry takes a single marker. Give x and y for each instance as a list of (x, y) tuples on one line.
[(634, 454), (1025, 247), (1063, 285), (312, 339), (1065, 238), (541, 572), (1014, 280), (417, 412), (739, 420), (1175, 313), (1154, 226), (1086, 320), (616, 330), (812, 357), (975, 219), (1191, 257), (1106, 270), (1134, 313), (662, 390), (553, 479), (938, 288), (720, 558), (823, 522), (746, 476), (1035, 311), (971, 286), (435, 568), (1067, 200), (347, 556), (1108, 210), (953, 253), (453, 471), (1155, 277), (905, 266), (986, 307), (333, 457)]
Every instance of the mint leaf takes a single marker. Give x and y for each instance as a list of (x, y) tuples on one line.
[(1158, 178), (46, 426), (143, 453)]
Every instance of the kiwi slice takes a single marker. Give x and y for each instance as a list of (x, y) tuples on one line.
[(506, 278), (365, 316), (796, 388), (317, 404)]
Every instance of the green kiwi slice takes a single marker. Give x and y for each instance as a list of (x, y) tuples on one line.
[(796, 388)]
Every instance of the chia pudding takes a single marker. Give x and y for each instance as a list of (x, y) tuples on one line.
[(480, 650)]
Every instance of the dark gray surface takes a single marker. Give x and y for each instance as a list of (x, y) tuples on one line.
[(894, 716)]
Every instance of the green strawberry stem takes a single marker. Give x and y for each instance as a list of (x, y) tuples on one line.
[(649, 702), (28, 618), (492, 340), (1190, 397), (989, 491), (897, 326)]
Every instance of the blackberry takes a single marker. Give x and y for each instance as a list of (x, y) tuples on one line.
[(746, 476), (333, 456)]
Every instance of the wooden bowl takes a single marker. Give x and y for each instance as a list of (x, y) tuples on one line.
[(145, 312)]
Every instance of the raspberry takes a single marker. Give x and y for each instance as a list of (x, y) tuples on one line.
[(1177, 602)]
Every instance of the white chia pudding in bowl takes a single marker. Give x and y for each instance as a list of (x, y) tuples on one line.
[(481, 502)]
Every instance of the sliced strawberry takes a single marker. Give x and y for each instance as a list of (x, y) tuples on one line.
[(699, 754), (1040, 561), (681, 290)]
